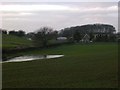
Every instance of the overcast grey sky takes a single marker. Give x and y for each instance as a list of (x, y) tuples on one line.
[(59, 0), (29, 16)]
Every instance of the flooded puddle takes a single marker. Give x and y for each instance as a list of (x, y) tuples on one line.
[(30, 58)]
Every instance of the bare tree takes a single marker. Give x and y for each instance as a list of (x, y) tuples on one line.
[(43, 35)]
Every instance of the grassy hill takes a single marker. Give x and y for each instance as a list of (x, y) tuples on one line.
[(83, 66), (10, 42)]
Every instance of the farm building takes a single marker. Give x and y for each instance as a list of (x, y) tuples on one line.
[(61, 38), (86, 38)]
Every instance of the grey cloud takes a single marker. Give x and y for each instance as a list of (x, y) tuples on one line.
[(62, 19)]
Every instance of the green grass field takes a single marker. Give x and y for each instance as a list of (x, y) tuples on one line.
[(83, 66), (10, 42)]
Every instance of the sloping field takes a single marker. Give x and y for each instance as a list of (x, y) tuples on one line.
[(10, 42), (83, 66)]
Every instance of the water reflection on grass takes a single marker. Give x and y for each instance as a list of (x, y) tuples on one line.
[(32, 57)]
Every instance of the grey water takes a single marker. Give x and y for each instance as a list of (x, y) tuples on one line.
[(32, 57)]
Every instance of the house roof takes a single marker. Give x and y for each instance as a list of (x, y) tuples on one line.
[(86, 36)]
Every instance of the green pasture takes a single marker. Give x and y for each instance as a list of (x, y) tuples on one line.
[(10, 42), (83, 66)]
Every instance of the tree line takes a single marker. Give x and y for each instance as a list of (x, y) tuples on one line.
[(97, 32), (19, 33)]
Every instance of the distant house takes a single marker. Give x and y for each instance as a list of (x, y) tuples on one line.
[(29, 39), (118, 36), (62, 38), (86, 38)]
